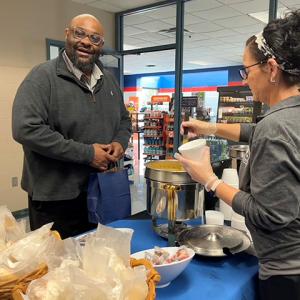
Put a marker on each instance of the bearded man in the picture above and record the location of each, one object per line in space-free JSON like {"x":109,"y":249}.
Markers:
{"x":70,"y":118}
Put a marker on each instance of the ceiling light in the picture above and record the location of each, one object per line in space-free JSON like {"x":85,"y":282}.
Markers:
{"x":263,"y":16}
{"x":172,"y":32}
{"x":198,"y":62}
{"x":128,"y":47}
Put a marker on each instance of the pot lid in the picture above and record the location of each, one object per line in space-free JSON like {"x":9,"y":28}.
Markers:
{"x":214,"y":240}
{"x":163,"y":229}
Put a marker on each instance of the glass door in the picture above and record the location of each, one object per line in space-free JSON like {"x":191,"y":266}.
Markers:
{"x":111,"y":60}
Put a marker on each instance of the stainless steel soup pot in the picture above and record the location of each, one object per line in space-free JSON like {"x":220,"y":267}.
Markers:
{"x":171,"y":192}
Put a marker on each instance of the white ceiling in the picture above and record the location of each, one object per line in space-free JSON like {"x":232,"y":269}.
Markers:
{"x":217,"y":29}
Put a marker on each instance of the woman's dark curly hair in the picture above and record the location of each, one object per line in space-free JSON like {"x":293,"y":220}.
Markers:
{"x":283,"y":36}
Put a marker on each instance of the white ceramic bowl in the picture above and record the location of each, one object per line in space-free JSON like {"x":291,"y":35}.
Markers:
{"x":192,"y":150}
{"x":168,"y":272}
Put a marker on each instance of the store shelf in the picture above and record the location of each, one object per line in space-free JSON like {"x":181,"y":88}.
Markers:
{"x":168,"y":132}
{"x":152,"y":127}
{"x":137,"y":121}
{"x":149,"y":145}
{"x":150,"y":118}
{"x":154,"y":144}
{"x":153,"y":136}
{"x":236,"y":115}
{"x":234,"y":104}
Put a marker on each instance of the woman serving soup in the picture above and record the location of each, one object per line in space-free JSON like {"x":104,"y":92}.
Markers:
{"x":269,"y":193}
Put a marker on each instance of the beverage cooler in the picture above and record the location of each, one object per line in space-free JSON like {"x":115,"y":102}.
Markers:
{"x":236,"y":105}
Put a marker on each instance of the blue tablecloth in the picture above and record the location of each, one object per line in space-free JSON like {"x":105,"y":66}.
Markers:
{"x":226,"y":278}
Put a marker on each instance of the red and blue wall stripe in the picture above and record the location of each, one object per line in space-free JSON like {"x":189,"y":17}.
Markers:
{"x":193,"y":80}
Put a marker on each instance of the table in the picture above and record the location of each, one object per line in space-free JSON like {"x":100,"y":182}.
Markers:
{"x":205,"y":278}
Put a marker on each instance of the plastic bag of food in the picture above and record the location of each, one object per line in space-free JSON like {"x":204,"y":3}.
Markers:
{"x":26,"y":254}
{"x":62,"y":252}
{"x":113,"y":238}
{"x":10,"y":229}
{"x":67,"y":283}
{"x":113,"y":269}
{"x":72,"y":283}
{"x":134,"y":281}
{"x":99,"y":270}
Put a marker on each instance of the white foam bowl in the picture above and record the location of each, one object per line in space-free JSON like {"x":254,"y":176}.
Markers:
{"x":168,"y":272}
{"x":213,"y":217}
{"x":192,"y":150}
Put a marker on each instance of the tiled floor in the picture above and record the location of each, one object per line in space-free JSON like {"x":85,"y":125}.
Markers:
{"x":138,"y":187}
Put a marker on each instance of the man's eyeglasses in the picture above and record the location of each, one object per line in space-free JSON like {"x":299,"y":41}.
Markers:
{"x":244,"y":71}
{"x":80,"y":34}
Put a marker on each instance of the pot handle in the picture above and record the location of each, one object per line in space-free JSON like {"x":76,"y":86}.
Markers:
{"x":172,"y":200}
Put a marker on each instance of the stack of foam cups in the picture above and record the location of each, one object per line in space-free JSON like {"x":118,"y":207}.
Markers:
{"x":238,"y":222}
{"x":231,"y":178}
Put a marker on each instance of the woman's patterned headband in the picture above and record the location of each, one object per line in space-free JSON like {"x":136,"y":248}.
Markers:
{"x":284,"y":65}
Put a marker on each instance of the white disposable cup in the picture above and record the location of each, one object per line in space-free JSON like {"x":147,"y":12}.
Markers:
{"x":237,"y":216}
{"x":213,"y":217}
{"x":239,"y":224}
{"x":226,"y":210}
{"x":201,"y":202}
{"x":230,"y":176}
{"x":192,"y":150}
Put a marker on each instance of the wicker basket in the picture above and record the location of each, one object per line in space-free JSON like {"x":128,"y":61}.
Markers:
{"x":153,"y":276}
{"x":13,"y":286}
{"x":22,"y":284}
{"x":14,"y":289}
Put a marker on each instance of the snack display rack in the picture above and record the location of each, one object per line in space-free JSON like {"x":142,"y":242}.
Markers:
{"x":236,"y":105}
{"x":154,"y":145}
{"x":169,"y":134}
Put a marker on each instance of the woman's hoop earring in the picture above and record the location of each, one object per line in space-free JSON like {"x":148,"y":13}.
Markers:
{"x":272,"y":80}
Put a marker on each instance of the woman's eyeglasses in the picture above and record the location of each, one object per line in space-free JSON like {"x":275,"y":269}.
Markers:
{"x":244,"y":71}
{"x":80,"y":34}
